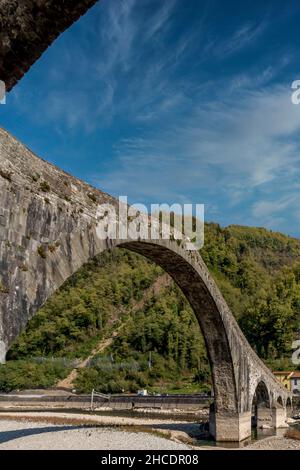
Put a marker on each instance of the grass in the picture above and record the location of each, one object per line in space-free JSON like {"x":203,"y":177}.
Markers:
{"x":183,"y":386}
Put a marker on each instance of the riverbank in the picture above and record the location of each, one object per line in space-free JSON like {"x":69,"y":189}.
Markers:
{"x":275,"y":443}
{"x":20,"y":430}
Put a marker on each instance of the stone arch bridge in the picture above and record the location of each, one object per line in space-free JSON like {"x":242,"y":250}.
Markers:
{"x":48,"y":229}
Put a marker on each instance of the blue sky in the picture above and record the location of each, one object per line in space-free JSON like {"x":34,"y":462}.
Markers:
{"x":174,"y":101}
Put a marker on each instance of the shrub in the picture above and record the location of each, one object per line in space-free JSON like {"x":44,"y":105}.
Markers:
{"x":45,"y":187}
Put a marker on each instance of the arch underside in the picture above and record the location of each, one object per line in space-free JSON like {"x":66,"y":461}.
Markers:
{"x":183,"y":273}
{"x":207,"y":314}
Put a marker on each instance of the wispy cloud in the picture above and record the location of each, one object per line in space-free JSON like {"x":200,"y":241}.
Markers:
{"x":238,"y":148}
{"x":258,"y":77}
{"x":183,"y":115}
{"x":280,"y":212}
{"x":245,"y":35}
{"x":127,"y":73}
{"x":134,"y":70}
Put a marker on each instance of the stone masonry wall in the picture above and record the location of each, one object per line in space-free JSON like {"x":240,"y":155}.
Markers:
{"x":48,"y":230}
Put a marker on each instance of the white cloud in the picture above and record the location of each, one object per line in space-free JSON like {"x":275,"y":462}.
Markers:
{"x":280,"y":212}
{"x":243,"y":147}
{"x":244,"y":36}
{"x":223,"y":141}
{"x":105,"y":75}
{"x":122,"y":65}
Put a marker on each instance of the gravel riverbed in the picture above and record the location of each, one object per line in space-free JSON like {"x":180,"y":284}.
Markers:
{"x":24,"y":435}
{"x":57,"y":431}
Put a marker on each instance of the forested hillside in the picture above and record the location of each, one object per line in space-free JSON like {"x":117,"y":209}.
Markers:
{"x":154,"y":339}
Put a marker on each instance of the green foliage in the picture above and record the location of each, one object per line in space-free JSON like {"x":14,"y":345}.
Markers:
{"x":77,"y":314}
{"x":108,"y":377}
{"x":42,"y":252}
{"x":258,"y":272}
{"x":24,"y":374}
{"x":3,"y":289}
{"x":161,"y":342}
{"x":272,"y":318}
{"x":44,"y":186}
{"x":202,"y":375}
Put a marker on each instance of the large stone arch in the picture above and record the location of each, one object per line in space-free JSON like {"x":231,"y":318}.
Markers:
{"x":44,"y":238}
{"x":192,"y":277}
{"x":28,"y":27}
{"x":262,"y":395}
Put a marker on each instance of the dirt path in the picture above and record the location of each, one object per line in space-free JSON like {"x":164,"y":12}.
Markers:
{"x":161,"y":283}
{"x":68,"y":382}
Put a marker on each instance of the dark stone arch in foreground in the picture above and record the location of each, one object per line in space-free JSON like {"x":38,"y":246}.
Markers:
{"x":28,"y":27}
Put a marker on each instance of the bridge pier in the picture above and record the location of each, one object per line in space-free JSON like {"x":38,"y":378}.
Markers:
{"x":229,"y":427}
{"x":236,"y":427}
{"x":264,"y":417}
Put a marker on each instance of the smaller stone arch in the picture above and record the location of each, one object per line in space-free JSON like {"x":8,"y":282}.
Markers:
{"x":262,"y":395}
{"x":279,"y":402}
{"x":261,"y":407}
{"x":279,"y":412}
